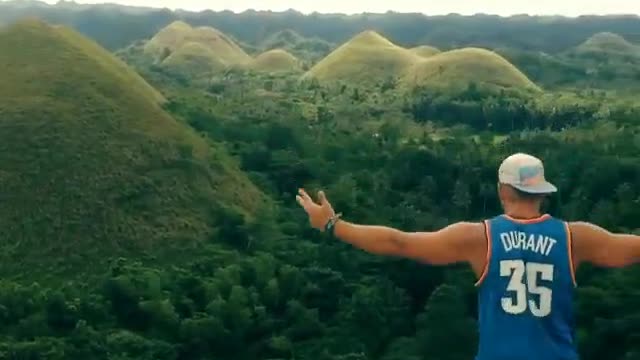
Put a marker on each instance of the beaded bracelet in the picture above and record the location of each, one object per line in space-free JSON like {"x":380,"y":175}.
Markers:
{"x":330,"y":226}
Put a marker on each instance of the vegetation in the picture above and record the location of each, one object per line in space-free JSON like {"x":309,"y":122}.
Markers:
{"x":144,"y":222}
{"x":115,"y":26}
{"x":92,"y":165}
{"x":311,"y":49}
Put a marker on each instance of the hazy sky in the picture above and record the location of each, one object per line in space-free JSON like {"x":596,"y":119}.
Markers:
{"x":432,"y":7}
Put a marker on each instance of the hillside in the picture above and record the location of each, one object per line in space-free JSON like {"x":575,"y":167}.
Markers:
{"x":606,"y":43}
{"x":194,"y":58}
{"x":425,"y":51}
{"x":178,"y":34}
{"x":367,"y":57}
{"x":456,"y":69}
{"x":276,"y":60}
{"x":92,"y":167}
{"x":309,"y":49}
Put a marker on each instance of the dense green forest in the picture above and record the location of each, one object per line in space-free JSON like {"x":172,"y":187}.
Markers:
{"x":159,"y":222}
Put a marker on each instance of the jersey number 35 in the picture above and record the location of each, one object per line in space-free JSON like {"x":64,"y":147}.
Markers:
{"x":517,"y":270}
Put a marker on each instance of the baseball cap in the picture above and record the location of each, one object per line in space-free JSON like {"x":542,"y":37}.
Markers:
{"x":525,"y":173}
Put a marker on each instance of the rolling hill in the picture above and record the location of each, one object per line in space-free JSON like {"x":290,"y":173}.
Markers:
{"x":194,"y":47}
{"x":92,"y":167}
{"x":425,"y":51}
{"x":367,"y":57}
{"x":607,"y":44}
{"x":276,"y":60}
{"x":456,"y":69}
{"x":194,"y":58}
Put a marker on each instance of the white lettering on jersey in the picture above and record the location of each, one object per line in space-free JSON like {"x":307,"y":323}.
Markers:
{"x":517,"y":240}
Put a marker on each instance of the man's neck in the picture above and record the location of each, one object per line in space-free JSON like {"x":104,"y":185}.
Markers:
{"x":523,"y":212}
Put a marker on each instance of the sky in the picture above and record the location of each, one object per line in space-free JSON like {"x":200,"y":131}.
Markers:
{"x":430,"y":7}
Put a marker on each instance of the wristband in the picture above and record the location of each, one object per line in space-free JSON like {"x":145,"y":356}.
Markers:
{"x":330,"y":226}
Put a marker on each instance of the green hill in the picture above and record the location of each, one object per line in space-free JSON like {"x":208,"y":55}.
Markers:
{"x":178,"y":34}
{"x":276,"y":60}
{"x":368,"y":57}
{"x":607,"y":43}
{"x":425,"y":51}
{"x":92,"y":167}
{"x":194,"y":58}
{"x":456,"y":69}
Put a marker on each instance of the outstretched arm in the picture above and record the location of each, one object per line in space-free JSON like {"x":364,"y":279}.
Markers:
{"x":600,"y":247}
{"x":455,"y":243}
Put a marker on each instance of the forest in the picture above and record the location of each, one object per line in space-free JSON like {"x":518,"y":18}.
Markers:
{"x":171,"y":231}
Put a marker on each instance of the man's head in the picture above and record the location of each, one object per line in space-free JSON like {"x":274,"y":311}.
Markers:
{"x":521,"y":181}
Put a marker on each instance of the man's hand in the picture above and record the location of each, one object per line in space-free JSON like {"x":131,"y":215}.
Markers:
{"x":319,"y":214}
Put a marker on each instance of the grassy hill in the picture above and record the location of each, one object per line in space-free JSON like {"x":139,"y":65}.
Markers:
{"x":456,"y":69}
{"x":605,"y":46}
{"x":211,"y":44}
{"x":367,"y":57}
{"x":425,"y":51}
{"x":92,"y":167}
{"x":194,"y":58}
{"x":276,"y":60}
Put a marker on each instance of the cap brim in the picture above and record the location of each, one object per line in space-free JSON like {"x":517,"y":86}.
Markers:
{"x":542,"y":188}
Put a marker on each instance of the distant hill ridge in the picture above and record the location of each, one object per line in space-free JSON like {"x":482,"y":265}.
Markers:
{"x":117,"y":26}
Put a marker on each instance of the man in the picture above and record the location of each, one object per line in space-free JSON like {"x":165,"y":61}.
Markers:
{"x":524,"y":261}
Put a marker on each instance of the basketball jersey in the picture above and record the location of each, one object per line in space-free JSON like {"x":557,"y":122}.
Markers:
{"x":525,"y":294}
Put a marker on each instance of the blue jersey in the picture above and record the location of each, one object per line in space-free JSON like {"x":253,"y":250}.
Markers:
{"x":526,"y":292}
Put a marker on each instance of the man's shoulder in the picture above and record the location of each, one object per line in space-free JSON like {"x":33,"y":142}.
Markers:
{"x":469,"y":230}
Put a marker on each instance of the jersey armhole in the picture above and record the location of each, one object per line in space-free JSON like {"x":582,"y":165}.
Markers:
{"x":572,"y":268}
{"x":485,"y":271}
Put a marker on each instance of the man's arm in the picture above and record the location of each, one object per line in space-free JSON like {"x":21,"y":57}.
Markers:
{"x":455,"y":243}
{"x":600,"y":247}
{"x":459,"y":242}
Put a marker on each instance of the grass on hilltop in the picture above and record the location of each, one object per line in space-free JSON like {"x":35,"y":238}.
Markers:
{"x":368,"y":57}
{"x":179,"y":34}
{"x":194,"y":58}
{"x":607,"y":44}
{"x":456,"y":69}
{"x":92,"y":167}
{"x":425,"y":51}
{"x":276,"y":60}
